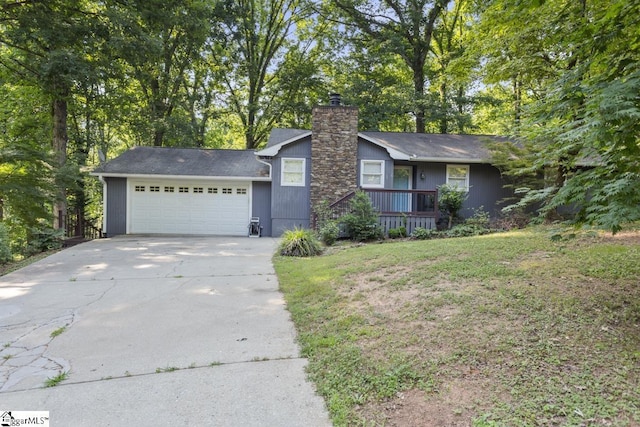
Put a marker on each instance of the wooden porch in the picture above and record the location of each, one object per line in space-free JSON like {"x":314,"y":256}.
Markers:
{"x":398,"y":208}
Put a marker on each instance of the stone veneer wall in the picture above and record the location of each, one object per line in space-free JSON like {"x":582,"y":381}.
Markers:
{"x":334,"y":153}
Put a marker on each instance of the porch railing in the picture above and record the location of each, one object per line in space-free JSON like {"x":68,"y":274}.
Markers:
{"x":408,"y":202}
{"x":422,"y":203}
{"x":397,"y":208}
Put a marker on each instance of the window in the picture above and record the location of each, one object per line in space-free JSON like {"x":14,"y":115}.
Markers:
{"x":183,"y":189}
{"x":372,"y":173}
{"x":198,"y":189}
{"x":241,"y":191}
{"x":212,"y":190}
{"x":458,"y":176}
{"x":140,"y":188}
{"x":292,"y":173}
{"x":154,"y":188}
{"x":168,"y":189}
{"x":227,"y":191}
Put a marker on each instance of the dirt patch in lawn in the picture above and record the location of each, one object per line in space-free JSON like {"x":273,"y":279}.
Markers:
{"x":453,"y":407}
{"x":484,"y":344}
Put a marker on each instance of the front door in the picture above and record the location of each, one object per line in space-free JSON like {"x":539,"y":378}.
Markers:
{"x":402,"y":181}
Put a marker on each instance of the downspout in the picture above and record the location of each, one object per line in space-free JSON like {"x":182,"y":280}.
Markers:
{"x":104,"y":205}
{"x":271,"y":181}
{"x":268,"y":164}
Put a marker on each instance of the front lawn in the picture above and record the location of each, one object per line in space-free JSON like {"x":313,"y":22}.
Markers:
{"x":511,"y":329}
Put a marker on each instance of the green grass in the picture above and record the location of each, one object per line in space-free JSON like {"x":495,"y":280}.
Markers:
{"x":167,"y":369}
{"x":534,"y":330}
{"x":58,"y":331}
{"x":52,"y":382}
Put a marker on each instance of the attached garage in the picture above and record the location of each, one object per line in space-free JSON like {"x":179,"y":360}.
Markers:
{"x":184,"y":191}
{"x":189,"y":207}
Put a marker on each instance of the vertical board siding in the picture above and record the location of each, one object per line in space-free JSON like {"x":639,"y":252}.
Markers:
{"x":290,"y":206}
{"x":116,"y":208}
{"x":486,"y":185}
{"x":261,"y":205}
{"x":369,"y":151}
{"x":387,"y":222}
{"x":486,"y":190}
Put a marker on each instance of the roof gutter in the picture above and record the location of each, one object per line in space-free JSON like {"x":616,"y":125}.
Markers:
{"x":448,"y":160}
{"x":101,"y":175}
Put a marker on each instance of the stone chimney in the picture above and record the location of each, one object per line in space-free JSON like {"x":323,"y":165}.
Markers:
{"x":334,"y":151}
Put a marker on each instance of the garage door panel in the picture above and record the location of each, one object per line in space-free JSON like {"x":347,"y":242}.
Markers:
{"x":189,"y":207}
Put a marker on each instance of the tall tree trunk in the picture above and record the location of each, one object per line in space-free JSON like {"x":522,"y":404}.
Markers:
{"x":444,"y":128}
{"x":60,"y":140}
{"x":418,"y":86}
{"x":158,"y":112}
{"x":517,"y":103}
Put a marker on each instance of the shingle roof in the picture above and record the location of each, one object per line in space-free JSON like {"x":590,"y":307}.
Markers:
{"x":278,"y":135}
{"x":436,"y":147}
{"x":408,"y":146}
{"x":185,"y":162}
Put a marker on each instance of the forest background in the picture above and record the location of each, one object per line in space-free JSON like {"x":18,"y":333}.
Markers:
{"x":82,"y":80}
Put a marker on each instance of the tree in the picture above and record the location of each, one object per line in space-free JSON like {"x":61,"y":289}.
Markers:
{"x":519,"y":47}
{"x":161,"y":43}
{"x":406,"y":28}
{"x":26,"y":193}
{"x":379,"y":84}
{"x":266,"y":65}
{"x":48,"y":44}
{"x":450,"y":69}
{"x":585,"y":126}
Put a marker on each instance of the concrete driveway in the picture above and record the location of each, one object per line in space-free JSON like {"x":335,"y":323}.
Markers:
{"x":154,"y":331}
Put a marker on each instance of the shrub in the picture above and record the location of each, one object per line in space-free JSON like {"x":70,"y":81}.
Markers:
{"x":362,"y":219}
{"x":515,"y":218}
{"x":5,"y":249}
{"x":43,"y":238}
{"x":464,"y":230}
{"x":396,"y":233}
{"x":323,"y":212}
{"x":450,"y":200}
{"x":421,"y":233}
{"x":328,"y":232}
{"x":299,"y":242}
{"x":479,"y":219}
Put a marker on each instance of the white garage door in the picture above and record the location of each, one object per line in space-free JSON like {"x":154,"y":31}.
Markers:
{"x":189,"y":207}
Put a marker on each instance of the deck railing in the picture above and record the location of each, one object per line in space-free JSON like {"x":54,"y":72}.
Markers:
{"x":389,"y":202}
{"x":397,"y":208}
{"x":407,"y":202}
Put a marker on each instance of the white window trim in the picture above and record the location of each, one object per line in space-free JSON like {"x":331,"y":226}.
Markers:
{"x":466,"y":183}
{"x":362,"y":174}
{"x":283,"y":161}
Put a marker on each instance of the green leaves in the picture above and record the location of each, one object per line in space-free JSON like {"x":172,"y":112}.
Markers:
{"x":583,"y":131}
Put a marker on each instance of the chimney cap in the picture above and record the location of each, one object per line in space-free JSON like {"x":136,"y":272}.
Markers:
{"x":334,"y":99}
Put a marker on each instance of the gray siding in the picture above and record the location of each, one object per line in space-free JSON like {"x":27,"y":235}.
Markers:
{"x":290,"y":206}
{"x":116,"y":208}
{"x":486,"y":190}
{"x":369,"y":151}
{"x":485,"y":182}
{"x":261,"y":205}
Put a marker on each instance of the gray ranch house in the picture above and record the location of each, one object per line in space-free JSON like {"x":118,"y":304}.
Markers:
{"x":156,"y":190}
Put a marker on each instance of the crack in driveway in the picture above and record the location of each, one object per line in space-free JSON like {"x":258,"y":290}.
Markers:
{"x":25,"y":357}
